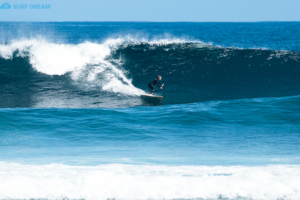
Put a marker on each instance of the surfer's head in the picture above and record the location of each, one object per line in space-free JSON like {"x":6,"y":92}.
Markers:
{"x":159,"y":77}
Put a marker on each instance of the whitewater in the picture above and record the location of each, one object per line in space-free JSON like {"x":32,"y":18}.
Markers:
{"x":73,"y":125}
{"x":149,"y":182}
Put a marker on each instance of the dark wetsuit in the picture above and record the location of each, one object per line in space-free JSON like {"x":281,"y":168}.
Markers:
{"x":152,"y":83}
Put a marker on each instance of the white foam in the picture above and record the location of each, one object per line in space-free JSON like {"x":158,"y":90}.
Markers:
{"x":85,"y":61}
{"x":119,"y":181}
{"x":157,"y":41}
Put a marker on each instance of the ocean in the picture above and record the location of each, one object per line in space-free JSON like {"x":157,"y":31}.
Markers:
{"x":73,"y":124}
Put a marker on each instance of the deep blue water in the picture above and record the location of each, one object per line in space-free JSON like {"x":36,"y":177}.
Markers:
{"x":73,"y":125}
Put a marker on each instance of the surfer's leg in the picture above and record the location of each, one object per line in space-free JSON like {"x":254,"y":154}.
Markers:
{"x":152,"y":88}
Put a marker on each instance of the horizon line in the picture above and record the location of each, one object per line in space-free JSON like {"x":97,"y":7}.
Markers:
{"x":155,"y":21}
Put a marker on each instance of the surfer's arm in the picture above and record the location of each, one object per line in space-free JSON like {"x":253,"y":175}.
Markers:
{"x":160,"y":85}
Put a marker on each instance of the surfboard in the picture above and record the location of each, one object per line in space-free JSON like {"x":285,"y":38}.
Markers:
{"x":151,"y":98}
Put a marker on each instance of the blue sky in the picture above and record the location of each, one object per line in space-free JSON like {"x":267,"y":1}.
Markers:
{"x":154,"y":10}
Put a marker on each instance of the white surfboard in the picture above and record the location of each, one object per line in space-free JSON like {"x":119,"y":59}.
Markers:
{"x":151,"y":96}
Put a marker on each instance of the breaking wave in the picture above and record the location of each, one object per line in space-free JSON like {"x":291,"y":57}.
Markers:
{"x":119,"y":68}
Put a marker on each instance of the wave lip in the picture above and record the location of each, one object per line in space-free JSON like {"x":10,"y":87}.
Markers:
{"x":116,"y":181}
{"x":57,"y":59}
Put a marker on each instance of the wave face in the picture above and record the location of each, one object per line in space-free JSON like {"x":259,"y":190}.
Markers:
{"x":114,"y":73}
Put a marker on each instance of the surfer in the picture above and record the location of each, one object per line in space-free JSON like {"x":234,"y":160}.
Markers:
{"x":155,"y":82}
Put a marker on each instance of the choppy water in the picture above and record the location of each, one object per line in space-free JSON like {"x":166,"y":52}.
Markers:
{"x":72,"y":124}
